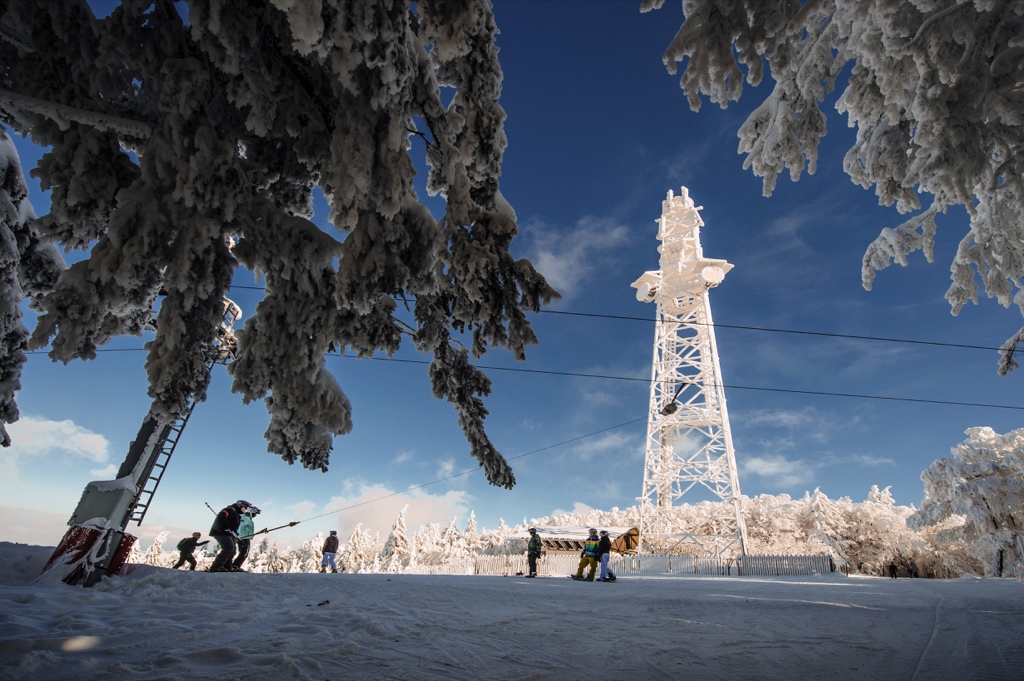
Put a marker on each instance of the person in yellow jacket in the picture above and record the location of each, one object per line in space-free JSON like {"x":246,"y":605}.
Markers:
{"x":589,"y":556}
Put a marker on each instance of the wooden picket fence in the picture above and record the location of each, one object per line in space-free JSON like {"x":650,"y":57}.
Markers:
{"x":751,"y":566}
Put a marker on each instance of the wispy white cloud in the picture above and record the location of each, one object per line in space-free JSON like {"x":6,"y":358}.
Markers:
{"x":818,"y":425}
{"x":403,"y":457}
{"x":786,"y":472}
{"x":569,"y":257}
{"x":860,"y":460}
{"x":31,"y":435}
{"x":445,"y":468}
{"x":777,"y":469}
{"x":577,"y":507}
{"x":376,"y":507}
{"x":622,"y":444}
{"x":104,"y":473}
{"x":34,"y":436}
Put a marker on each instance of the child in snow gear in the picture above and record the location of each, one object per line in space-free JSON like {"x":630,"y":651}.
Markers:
{"x":533,"y":551}
{"x":604,"y":551}
{"x":589,"y":556}
{"x":330,"y":548}
{"x":187,"y":547}
{"x":225,"y":531}
{"x":245,"y":531}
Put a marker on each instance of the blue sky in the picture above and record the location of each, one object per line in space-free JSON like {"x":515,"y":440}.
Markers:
{"x":598,"y":133}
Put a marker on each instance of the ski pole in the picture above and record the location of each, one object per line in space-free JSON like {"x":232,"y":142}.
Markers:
{"x":210,"y":507}
{"x":272,"y":529}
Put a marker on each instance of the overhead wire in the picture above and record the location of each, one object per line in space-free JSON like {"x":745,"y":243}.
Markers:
{"x":576,"y":374}
{"x":741,"y":327}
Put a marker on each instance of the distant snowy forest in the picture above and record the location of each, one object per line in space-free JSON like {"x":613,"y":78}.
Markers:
{"x":968,"y":523}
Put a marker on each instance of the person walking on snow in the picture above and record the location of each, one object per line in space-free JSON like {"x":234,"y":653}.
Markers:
{"x":329,"y":550}
{"x":533,"y":551}
{"x":225,"y":531}
{"x":245,"y":532}
{"x":604,"y":552}
{"x":589,"y":556}
{"x":187,"y":547}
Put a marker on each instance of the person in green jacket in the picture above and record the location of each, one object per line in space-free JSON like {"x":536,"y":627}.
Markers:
{"x":533,"y":551}
{"x":589,"y":556}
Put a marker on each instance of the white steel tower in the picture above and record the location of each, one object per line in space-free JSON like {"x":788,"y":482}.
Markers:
{"x":689,"y":444}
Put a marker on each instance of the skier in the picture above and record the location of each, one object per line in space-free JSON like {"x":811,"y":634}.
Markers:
{"x":533,"y":551}
{"x":187,"y":547}
{"x":225,"y":531}
{"x":330,"y":548}
{"x":245,"y":532}
{"x":604,"y":552}
{"x":589,"y":556}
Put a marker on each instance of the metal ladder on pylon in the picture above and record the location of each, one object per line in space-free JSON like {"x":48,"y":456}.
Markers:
{"x":218,"y":352}
{"x":165,"y":445}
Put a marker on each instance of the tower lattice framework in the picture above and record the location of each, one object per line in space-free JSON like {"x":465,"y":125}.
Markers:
{"x":689,"y":443}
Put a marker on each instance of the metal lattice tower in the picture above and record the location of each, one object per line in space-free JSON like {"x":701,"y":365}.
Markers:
{"x":689,"y":443}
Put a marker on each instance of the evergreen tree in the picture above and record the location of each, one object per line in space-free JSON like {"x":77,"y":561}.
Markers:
{"x":935,"y":91}
{"x":397,"y":552}
{"x":984,"y":484}
{"x":28,"y":269}
{"x":183,"y":149}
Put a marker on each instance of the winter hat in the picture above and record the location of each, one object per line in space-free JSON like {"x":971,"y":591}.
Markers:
{"x":197,"y":535}
{"x":532,"y":530}
{"x":333,"y":532}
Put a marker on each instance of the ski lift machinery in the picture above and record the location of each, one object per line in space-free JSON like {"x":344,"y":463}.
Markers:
{"x":96,"y":543}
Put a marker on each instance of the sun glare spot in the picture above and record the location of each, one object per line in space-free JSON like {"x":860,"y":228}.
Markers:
{"x":80,"y":643}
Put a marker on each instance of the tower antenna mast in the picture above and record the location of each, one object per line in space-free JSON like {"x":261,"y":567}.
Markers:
{"x":689,"y":442}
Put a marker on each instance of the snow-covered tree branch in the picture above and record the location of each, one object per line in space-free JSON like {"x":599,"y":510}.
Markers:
{"x":181,"y":149}
{"x":936,"y":93}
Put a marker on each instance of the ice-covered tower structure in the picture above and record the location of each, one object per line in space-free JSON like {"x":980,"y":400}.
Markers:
{"x":689,"y":444}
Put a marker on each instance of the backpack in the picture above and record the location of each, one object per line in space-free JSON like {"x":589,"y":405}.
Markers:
{"x":181,"y":544}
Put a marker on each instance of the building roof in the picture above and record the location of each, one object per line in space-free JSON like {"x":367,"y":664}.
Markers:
{"x":624,"y":539}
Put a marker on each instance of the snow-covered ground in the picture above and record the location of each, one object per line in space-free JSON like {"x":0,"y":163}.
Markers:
{"x":161,"y":624}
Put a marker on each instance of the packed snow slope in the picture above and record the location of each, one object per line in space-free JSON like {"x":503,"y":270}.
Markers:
{"x":158,"y":623}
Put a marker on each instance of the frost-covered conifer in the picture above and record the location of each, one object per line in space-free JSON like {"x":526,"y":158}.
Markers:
{"x":984,"y":484}
{"x":362,"y":550}
{"x":28,"y":269}
{"x":397,"y":552}
{"x":181,"y":149}
{"x":936,"y":93}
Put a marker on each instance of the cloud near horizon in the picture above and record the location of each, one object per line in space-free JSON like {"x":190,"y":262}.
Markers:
{"x":32,"y":436}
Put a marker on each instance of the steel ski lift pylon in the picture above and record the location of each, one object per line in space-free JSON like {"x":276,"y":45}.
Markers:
{"x":96,"y":543}
{"x":689,"y":443}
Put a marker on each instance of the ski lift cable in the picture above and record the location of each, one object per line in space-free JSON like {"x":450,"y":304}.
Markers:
{"x":820,"y":393}
{"x":742,"y":327}
{"x":575,"y":374}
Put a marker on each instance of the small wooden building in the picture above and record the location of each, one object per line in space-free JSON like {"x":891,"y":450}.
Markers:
{"x":570,"y":539}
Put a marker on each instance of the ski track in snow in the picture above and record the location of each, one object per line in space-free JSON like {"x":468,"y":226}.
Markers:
{"x":175,"y":625}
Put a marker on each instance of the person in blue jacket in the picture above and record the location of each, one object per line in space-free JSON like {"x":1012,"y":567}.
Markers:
{"x":245,"y":532}
{"x":225,"y":532}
